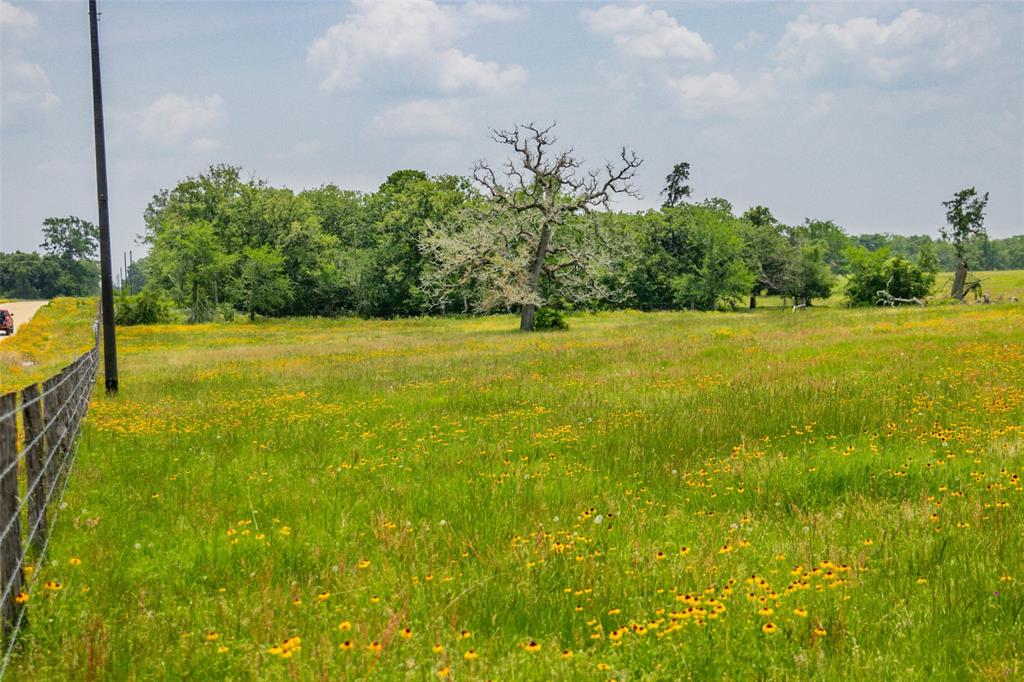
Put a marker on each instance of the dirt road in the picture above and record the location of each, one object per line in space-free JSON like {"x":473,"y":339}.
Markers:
{"x":22,"y":311}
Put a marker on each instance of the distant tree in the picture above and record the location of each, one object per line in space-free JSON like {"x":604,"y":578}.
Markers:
{"x":965,"y":218}
{"x":927,"y":259}
{"x":147,"y":307}
{"x":721,"y":277}
{"x":214,"y":196}
{"x":343,"y":213}
{"x":880,"y":278}
{"x":399,"y":213}
{"x":70,"y":238}
{"x":189,"y":262}
{"x":717,"y":204}
{"x":30,"y":275}
{"x":676,"y":190}
{"x":262,"y":287}
{"x":691,"y":256}
{"x":770,"y":258}
{"x":546,"y":191}
{"x":872,"y":242}
{"x":760,"y":216}
{"x":73,"y":243}
{"x":810,"y":277}
{"x":1013,"y":248}
{"x":308,"y":254}
{"x":481,"y":260}
{"x":828,"y":233}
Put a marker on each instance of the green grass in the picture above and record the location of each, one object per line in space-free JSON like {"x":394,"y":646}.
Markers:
{"x":1001,"y":286}
{"x":257,"y":482}
{"x":58,"y":333}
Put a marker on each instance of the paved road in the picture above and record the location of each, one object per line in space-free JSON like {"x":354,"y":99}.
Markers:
{"x":22,"y":311}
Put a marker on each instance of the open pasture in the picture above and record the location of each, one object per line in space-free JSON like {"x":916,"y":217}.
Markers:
{"x":1001,"y":285}
{"x":57,"y":334}
{"x":827,"y":493}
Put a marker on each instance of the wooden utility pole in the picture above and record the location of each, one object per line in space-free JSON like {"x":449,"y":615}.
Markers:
{"x":106,"y":269}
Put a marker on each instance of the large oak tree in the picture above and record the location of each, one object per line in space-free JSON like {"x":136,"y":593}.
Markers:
{"x":533,"y":236}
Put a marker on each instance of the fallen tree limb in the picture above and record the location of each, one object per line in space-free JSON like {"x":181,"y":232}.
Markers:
{"x":885,"y":298}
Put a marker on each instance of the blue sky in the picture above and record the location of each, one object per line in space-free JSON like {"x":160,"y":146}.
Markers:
{"x":870,"y":114}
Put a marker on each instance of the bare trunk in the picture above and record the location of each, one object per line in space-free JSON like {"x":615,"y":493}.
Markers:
{"x":526,"y":318}
{"x":959,"y":280}
{"x":753,"y":301}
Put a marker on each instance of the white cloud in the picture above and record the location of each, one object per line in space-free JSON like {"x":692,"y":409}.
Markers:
{"x":206,"y":145}
{"x":177,"y":120}
{"x":300,"y":150}
{"x":638,"y":31}
{"x":915,"y":42}
{"x":715,"y":85}
{"x":459,"y":70}
{"x":25,"y":86}
{"x":753,"y":39}
{"x":417,"y":34}
{"x":306,"y":148}
{"x":819,"y":109}
{"x":494,"y":12}
{"x":721,"y":93}
{"x":420,"y":118}
{"x":21,"y":21}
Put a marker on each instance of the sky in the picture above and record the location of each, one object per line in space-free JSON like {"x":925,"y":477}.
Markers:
{"x":868,"y":114}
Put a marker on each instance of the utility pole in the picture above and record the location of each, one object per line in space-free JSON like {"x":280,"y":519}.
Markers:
{"x":106,"y":276}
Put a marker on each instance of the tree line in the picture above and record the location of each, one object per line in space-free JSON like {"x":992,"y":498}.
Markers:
{"x":67,"y":266}
{"x":536,"y":231}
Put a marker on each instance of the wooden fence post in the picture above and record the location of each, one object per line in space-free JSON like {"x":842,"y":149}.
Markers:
{"x":32,"y":421}
{"x":10,"y":544}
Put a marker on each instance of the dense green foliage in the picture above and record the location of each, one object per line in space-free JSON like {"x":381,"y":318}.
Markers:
{"x":549,"y":318}
{"x":982,"y":254}
{"x":218,"y":243}
{"x":145,"y":308}
{"x":217,"y":239}
{"x":874,"y":272}
{"x":67,"y":266}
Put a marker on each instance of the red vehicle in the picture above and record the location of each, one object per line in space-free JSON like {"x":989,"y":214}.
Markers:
{"x":6,"y":322}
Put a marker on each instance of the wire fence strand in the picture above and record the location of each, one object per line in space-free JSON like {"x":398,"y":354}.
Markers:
{"x":40,"y":396}
{"x":41,"y":561}
{"x":50,"y":422}
{"x":57,"y":422}
{"x":59,"y":445}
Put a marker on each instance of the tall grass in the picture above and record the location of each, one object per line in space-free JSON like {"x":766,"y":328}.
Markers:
{"x":830,"y":494}
{"x":58,"y":333}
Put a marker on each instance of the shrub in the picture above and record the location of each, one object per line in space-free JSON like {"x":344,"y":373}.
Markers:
{"x":144,"y":308}
{"x":227,"y":312}
{"x":549,"y":318}
{"x":872,"y":272}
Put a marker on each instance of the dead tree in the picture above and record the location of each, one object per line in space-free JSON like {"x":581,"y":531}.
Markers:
{"x":547,"y":188}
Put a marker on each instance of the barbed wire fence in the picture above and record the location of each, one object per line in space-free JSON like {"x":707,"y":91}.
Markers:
{"x":36,"y":456}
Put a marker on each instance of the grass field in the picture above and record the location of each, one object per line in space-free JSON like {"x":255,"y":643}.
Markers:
{"x":57,"y":334}
{"x":1001,"y":286}
{"x":828,"y":494}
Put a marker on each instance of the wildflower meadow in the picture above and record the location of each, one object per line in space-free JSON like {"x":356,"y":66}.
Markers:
{"x":824,"y":493}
